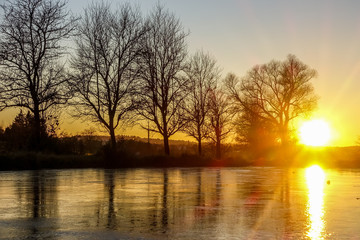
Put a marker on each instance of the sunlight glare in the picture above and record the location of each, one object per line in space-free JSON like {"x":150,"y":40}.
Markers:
{"x":315,"y":180}
{"x":315,"y":133}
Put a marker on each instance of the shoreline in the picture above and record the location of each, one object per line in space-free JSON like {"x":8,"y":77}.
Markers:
{"x":327,"y":158}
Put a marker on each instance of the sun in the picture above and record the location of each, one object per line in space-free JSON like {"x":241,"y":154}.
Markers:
{"x":315,"y":133}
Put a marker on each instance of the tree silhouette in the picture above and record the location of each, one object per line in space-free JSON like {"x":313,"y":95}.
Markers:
{"x":30,"y":74}
{"x":202,"y":74}
{"x":162,"y":88}
{"x":104,"y":71}
{"x":19,"y":135}
{"x":220,"y":117}
{"x":257,"y":133}
{"x":279,"y":91}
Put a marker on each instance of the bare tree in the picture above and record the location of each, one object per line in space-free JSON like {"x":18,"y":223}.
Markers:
{"x":104,"y":67}
{"x":219,"y":118}
{"x":163,"y":86}
{"x":30,"y":47}
{"x":279,"y":91}
{"x":202,"y":74}
{"x":257,"y":133}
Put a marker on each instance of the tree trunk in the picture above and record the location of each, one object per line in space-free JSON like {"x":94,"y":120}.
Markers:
{"x":199,"y":139}
{"x":199,"y":147}
{"x":166,"y":137}
{"x":284,"y":136}
{"x":218,"y":146}
{"x":218,"y":142}
{"x":166,"y":145}
{"x":218,"y":150}
{"x":112,"y":139}
{"x":112,"y":133}
{"x":37,"y":127}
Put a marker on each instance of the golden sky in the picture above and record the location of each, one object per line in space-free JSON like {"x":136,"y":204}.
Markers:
{"x":323,"y":34}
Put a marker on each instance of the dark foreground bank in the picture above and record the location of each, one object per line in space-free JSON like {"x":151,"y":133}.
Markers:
{"x":32,"y":160}
{"x":300,"y":157}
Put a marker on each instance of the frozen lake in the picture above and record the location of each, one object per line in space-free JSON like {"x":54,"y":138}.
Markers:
{"x":179,"y":203}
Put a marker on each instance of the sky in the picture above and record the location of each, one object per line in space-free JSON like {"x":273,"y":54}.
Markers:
{"x":325,"y":35}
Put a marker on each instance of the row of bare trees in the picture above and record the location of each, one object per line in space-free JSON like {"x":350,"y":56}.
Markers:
{"x":125,"y":67}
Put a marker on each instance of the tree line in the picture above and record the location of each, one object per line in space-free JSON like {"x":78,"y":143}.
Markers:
{"x":122,"y":67}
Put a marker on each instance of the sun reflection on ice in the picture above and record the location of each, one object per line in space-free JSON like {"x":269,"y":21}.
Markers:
{"x":315,"y":180}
